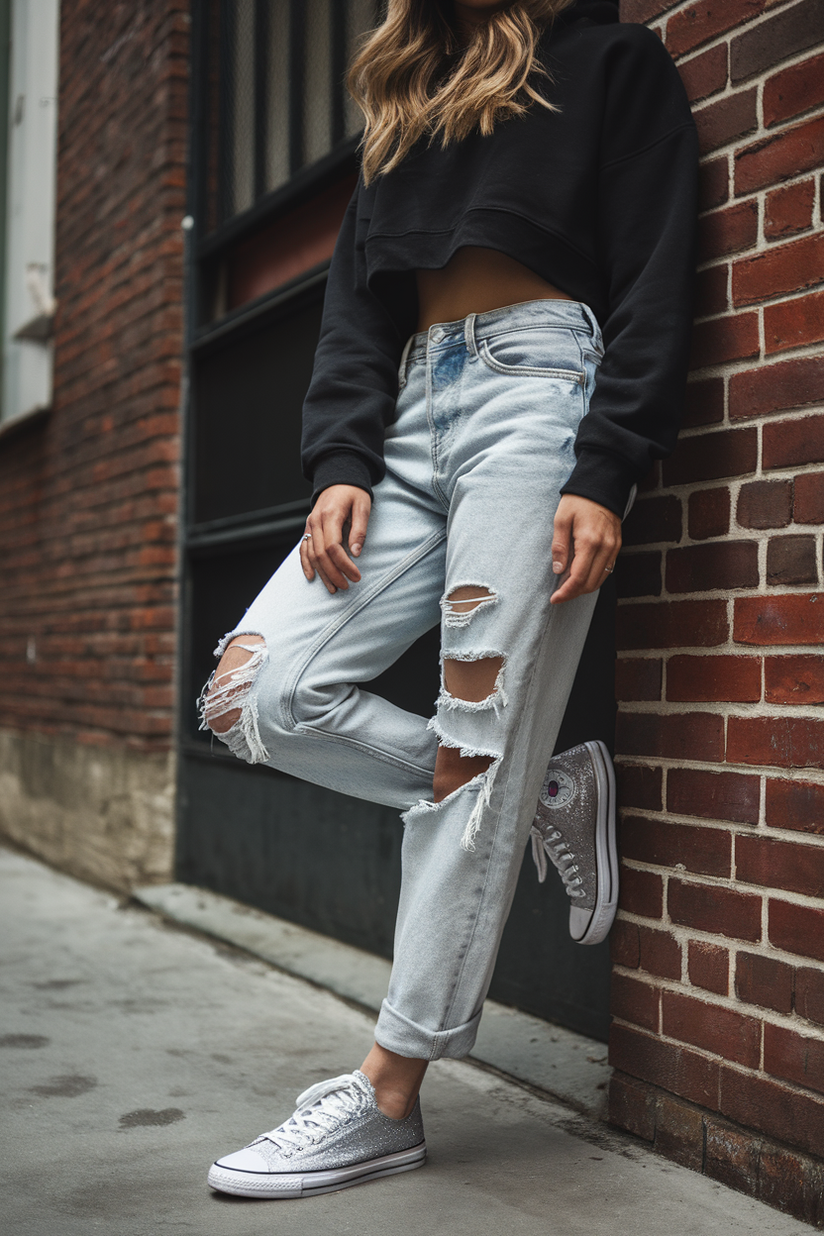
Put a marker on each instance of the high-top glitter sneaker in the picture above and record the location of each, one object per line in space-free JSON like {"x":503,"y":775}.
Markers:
{"x":337,"y":1137}
{"x":574,"y":827}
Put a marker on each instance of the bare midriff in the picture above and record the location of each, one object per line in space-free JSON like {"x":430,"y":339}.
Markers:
{"x":476,"y":280}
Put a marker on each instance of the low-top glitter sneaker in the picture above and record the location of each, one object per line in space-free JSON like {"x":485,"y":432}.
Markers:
{"x":575,"y":827}
{"x":337,"y":1137}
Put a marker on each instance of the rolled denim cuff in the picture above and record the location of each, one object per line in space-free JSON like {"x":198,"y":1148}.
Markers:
{"x":406,"y":1038}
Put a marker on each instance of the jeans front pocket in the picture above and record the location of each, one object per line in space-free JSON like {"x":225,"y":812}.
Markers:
{"x":535,"y":351}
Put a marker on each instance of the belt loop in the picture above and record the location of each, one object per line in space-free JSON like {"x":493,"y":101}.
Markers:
{"x":593,"y":324}
{"x":404,"y":359}
{"x":469,"y":335}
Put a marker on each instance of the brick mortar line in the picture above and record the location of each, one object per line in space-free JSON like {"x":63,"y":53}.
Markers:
{"x":787,"y":1021}
{"x":732,"y":883}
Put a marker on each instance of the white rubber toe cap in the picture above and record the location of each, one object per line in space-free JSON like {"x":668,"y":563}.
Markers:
{"x":579,"y":921}
{"x":246,"y":1160}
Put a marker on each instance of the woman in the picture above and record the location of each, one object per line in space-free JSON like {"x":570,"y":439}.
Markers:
{"x":524,"y":221}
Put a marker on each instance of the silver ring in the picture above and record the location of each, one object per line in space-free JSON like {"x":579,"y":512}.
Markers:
{"x":609,"y":570}
{"x":307,"y":537}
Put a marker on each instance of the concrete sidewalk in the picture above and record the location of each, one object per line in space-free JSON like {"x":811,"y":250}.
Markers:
{"x":134,"y":1053}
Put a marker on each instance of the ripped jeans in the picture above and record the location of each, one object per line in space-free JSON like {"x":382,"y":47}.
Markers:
{"x":487,"y":414}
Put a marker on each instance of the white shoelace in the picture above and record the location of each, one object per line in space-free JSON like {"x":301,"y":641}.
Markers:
{"x":560,"y":856}
{"x":320,"y":1109}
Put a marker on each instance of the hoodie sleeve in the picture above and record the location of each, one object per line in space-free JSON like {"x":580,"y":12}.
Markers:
{"x":647,"y":222}
{"x":354,"y":385}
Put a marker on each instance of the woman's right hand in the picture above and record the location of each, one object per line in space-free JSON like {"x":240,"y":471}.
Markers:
{"x":338,"y":508}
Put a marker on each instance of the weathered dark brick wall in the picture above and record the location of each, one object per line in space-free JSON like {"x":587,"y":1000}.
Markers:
{"x":718,"y":1038}
{"x":88,"y":496}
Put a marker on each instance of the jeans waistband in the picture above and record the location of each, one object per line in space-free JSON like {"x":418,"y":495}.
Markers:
{"x":569,"y":314}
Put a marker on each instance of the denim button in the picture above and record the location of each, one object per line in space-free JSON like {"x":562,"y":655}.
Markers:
{"x":437,"y":335}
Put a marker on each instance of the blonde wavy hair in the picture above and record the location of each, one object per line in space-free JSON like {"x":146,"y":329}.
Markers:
{"x":412,"y":77}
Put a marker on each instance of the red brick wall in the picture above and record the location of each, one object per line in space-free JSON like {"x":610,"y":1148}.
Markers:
{"x":719,"y":982}
{"x":88,"y":496}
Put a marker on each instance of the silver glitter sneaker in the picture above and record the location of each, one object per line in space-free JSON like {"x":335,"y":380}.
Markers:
{"x":575,"y":827}
{"x":337,"y":1137}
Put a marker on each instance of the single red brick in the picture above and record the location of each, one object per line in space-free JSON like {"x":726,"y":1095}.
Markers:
{"x":792,"y":91}
{"x":723,"y":565}
{"x":679,"y":1132}
{"x":632,"y":1105}
{"x":798,"y":805}
{"x":797,"y":929}
{"x":692,"y":679}
{"x":705,"y":20}
{"x":794,"y":323}
{"x":711,"y":294}
{"x":731,"y":1156}
{"x":788,"y":154}
{"x":723,"y":1031}
{"x":794,"y":680}
{"x":709,"y":967}
{"x":624,"y":944}
{"x":782,"y":269}
{"x":633,"y":1000}
{"x":713,"y":183}
{"x":808,"y":507}
{"x":706,"y":851}
{"x":639,"y":575}
{"x":765,"y":504}
{"x":792,"y":560}
{"x":638,"y":678}
{"x":711,"y":456}
{"x":789,"y":742}
{"x":713,"y":908}
{"x":793,"y":442}
{"x":809,"y":993}
{"x":792,"y":30}
{"x":788,"y":865}
{"x":772,"y":1108}
{"x":791,"y":1181}
{"x":729,"y":230}
{"x":639,"y":786}
{"x":653,"y":520}
{"x":709,"y":513}
{"x":720,"y":340}
{"x":705,"y":73}
{"x":794,"y":619}
{"x":672,"y":624}
{"x":715,"y":796}
{"x":660,"y":953}
{"x":704,"y":402}
{"x":642,"y":892}
{"x":726,"y":119}
{"x":688,"y":736}
{"x":795,"y":1057}
{"x":764,"y":981}
{"x":789,"y":210}
{"x":673,"y":1068}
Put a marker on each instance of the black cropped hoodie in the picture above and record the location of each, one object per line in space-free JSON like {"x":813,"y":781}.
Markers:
{"x":599,"y":198}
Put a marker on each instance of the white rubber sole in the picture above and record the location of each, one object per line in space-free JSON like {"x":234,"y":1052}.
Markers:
{"x":606,"y":849}
{"x":269,"y":1185}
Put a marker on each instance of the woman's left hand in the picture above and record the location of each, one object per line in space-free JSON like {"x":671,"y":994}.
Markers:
{"x":585,"y":543}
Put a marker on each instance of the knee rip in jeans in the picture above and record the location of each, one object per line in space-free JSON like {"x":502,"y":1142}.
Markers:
{"x":472,"y":682}
{"x":464,"y":602}
{"x":226,"y":704}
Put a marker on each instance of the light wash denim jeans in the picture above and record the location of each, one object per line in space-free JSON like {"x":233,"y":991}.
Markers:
{"x":487,"y":414}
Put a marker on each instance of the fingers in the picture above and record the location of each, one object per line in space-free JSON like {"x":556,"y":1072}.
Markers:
{"x":322,"y":548}
{"x":596,"y":538}
{"x":361,"y":509}
{"x":562,"y":539}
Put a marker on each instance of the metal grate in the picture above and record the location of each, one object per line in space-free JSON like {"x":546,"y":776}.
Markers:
{"x":282,"y":102}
